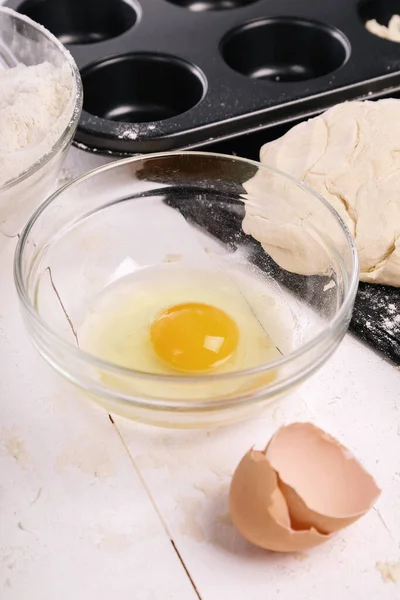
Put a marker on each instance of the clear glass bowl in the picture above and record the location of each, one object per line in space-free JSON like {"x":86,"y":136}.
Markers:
{"x":22,"y":41}
{"x":180,"y":216}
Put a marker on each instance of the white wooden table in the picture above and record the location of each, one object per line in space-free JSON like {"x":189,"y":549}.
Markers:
{"x":91,"y":510}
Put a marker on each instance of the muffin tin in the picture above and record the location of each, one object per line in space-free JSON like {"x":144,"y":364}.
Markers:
{"x":167,"y":74}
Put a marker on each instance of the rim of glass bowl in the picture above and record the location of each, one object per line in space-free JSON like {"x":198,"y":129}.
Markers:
{"x":55,"y":340}
{"x":76,"y":100}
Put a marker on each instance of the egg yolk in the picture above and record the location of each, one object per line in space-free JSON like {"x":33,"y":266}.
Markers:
{"x":194,"y":337}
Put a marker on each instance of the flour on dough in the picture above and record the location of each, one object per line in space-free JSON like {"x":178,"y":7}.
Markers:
{"x":391,"y":32}
{"x":350,"y":155}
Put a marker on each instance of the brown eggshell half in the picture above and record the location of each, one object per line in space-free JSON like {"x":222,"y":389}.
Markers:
{"x":259,"y":509}
{"x":323,"y":484}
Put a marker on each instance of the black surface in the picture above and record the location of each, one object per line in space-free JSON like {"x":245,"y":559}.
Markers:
{"x":295,"y":59}
{"x":376,"y":319}
{"x":203,"y":5}
{"x":381,"y":10}
{"x":129,"y":101}
{"x":82,"y":21}
{"x":299,"y":58}
{"x":376,"y":315}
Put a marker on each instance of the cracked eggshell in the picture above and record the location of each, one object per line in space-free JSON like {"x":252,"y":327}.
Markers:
{"x":323,"y":484}
{"x":304,"y":487}
{"x":259,"y":509}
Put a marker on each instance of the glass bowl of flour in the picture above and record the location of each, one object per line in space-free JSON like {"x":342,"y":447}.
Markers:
{"x":40,"y":106}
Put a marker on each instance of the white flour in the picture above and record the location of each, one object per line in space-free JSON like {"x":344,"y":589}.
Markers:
{"x":33,"y":115}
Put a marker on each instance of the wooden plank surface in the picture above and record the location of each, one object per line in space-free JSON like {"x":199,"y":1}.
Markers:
{"x":87,"y":508}
{"x":356,"y":397}
{"x":76,"y":521}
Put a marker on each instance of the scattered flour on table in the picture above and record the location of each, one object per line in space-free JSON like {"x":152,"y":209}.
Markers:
{"x":129,"y":131}
{"x":383,"y":310}
{"x":393,"y":321}
{"x":33,"y":114}
{"x":128,"y":134}
{"x":390,"y":571}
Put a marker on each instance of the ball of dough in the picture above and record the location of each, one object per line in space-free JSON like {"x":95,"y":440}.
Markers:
{"x":350,"y":155}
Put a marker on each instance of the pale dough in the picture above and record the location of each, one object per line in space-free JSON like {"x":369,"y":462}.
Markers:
{"x":350,"y":155}
{"x":391,"y":32}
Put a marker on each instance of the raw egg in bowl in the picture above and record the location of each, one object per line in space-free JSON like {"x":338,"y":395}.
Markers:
{"x":139,"y":285}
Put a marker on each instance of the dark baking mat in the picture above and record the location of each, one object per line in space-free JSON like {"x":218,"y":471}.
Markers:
{"x":376,"y":318}
{"x":376,"y":315}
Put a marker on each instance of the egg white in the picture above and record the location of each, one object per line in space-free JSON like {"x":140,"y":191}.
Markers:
{"x":116,"y":329}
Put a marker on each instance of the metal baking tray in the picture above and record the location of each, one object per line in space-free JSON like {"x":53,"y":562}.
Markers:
{"x":169,"y":74}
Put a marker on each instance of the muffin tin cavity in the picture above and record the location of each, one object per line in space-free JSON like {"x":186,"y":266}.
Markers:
{"x":182,"y":74}
{"x":139,"y":88}
{"x":204,"y":5}
{"x":381,"y":10}
{"x":284,"y":49}
{"x":82,"y":21}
